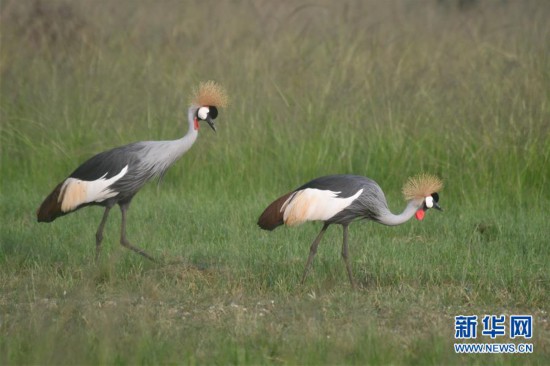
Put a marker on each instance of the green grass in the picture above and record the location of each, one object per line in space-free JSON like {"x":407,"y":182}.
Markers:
{"x":382,"y":89}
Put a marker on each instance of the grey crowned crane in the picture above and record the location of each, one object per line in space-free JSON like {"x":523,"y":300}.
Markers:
{"x":115,"y":176}
{"x":341,"y":199}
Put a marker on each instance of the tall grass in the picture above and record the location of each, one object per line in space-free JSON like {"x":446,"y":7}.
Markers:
{"x":383,"y":89}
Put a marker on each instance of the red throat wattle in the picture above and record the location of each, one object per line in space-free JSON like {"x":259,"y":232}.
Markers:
{"x":196,"y":124}
{"x":419,"y":214}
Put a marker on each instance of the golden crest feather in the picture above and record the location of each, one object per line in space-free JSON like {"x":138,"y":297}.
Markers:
{"x":210,"y":93}
{"x":421,"y":186}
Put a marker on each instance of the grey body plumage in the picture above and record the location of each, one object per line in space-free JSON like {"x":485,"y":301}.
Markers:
{"x":371,"y":203}
{"x":146,"y":160}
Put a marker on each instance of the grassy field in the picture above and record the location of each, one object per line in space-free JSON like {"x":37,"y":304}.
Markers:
{"x":385,"y":89}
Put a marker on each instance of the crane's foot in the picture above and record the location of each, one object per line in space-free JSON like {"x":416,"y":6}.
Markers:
{"x":127,"y":244}
{"x":345,"y":256}
{"x":99,"y":238}
{"x":304,"y":275}
{"x":313,"y":251}
{"x":97,"y":249}
{"x":99,"y":233}
{"x":350,"y":275}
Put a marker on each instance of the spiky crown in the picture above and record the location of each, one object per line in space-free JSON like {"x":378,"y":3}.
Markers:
{"x":421,"y":186}
{"x":210,"y":94}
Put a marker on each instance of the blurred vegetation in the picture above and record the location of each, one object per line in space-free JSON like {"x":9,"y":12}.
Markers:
{"x":380,"y":89}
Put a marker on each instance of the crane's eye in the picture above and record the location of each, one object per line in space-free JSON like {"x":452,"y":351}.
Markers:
{"x":435,"y":195}
{"x":202,"y":113}
{"x":213,"y":112}
{"x":429,"y":202}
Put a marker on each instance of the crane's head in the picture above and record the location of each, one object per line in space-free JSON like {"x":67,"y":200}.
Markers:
{"x":207,"y":98}
{"x":208,"y":114}
{"x":424,"y":190}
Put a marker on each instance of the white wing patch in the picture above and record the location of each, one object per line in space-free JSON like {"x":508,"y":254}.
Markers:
{"x":76,"y":192}
{"x":313,"y":204}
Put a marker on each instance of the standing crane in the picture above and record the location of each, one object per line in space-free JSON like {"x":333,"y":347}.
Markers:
{"x":115,"y":176}
{"x":341,"y":199}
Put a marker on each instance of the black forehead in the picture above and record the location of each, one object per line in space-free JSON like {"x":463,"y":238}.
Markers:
{"x":435,"y":196}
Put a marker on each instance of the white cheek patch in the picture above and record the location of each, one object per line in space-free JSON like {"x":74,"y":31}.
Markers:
{"x":429,"y":202}
{"x":203,"y":112}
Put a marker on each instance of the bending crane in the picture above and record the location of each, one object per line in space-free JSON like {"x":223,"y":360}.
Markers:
{"x":341,"y":199}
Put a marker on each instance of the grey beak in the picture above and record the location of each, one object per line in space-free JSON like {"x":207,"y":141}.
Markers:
{"x":437,"y":207}
{"x":210,"y":122}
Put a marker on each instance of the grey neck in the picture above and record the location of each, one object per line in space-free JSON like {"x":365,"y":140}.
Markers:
{"x":162,"y":154}
{"x":182,"y":145}
{"x":390,"y":219}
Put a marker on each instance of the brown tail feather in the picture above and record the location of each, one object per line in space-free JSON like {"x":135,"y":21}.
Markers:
{"x":272,"y":216}
{"x":50,"y":209}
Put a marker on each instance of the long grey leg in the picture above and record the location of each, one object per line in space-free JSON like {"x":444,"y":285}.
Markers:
{"x":345,"y":255}
{"x":123,"y":241}
{"x":313,"y":251}
{"x":99,"y":233}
